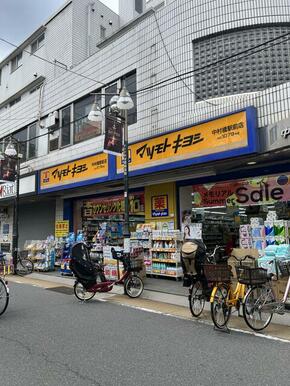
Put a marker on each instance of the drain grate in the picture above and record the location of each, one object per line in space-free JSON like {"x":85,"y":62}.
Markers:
{"x":62,"y":290}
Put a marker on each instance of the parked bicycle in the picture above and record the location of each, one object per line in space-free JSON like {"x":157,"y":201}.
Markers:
{"x":24,"y":266}
{"x":194,"y":257}
{"x":4,"y":295}
{"x":90,"y":276}
{"x":261,"y":302}
{"x":224,"y":296}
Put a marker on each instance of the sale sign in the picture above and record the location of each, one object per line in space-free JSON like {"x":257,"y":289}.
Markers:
{"x":255,"y":191}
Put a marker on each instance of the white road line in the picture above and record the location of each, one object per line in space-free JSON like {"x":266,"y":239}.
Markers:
{"x":206,"y":322}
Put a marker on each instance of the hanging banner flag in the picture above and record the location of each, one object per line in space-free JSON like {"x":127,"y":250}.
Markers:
{"x":113,"y":143}
{"x":8,"y":169}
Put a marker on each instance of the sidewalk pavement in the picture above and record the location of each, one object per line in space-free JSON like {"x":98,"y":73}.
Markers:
{"x":156,"y":299}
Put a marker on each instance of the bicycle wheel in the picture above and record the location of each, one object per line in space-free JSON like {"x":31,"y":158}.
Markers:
{"x":196,"y":299}
{"x":4,"y":297}
{"x":24,"y":267}
{"x":81,"y":293}
{"x":257,"y":310}
{"x":220,"y":309}
{"x":133,"y":286}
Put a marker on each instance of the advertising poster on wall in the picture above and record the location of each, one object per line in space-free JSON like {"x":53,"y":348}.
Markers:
{"x":255,"y":191}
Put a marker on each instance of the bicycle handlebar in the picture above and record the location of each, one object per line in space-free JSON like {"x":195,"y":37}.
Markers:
{"x":244,"y":258}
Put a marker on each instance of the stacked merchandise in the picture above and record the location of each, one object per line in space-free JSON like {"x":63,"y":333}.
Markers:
{"x":259,"y":234}
{"x":165,"y":253}
{"x":246,"y":236}
{"x":65,"y":259}
{"x":113,"y":267}
{"x":273,"y":254}
{"x":42,"y":253}
{"x":142,"y":238}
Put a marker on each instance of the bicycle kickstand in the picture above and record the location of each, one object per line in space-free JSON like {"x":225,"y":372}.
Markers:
{"x":225,"y":329}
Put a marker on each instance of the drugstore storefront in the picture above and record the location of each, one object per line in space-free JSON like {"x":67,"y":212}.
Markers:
{"x":93,"y":183}
{"x":160,"y":167}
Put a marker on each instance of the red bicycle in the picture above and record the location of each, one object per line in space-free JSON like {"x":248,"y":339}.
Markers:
{"x":90,"y":276}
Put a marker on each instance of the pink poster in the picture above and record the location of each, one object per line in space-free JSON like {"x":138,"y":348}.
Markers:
{"x":254,"y":191}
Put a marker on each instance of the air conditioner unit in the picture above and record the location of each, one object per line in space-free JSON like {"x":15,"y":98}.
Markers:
{"x":52,"y":119}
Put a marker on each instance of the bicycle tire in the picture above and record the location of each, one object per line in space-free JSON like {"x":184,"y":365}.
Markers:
{"x":219,"y":307}
{"x":133,"y":282}
{"x":24,"y":267}
{"x":196,"y":298}
{"x":4,"y":296}
{"x":81,"y":293}
{"x":250,"y":311}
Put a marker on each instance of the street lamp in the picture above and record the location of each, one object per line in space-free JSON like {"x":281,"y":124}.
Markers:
{"x":123,"y":103}
{"x":12,"y":153}
{"x":120,"y":104}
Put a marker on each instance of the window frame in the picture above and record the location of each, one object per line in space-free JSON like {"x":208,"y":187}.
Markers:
{"x":18,"y":62}
{"x":39,"y":43}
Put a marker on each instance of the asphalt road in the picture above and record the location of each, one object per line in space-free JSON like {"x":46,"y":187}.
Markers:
{"x":48,"y":338}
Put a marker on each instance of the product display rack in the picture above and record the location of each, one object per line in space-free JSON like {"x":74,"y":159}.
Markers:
{"x":165,"y":254}
{"x":142,"y":238}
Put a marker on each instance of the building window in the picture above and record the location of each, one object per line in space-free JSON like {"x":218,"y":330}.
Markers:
{"x":38,"y":43}
{"x":130,"y":81}
{"x":102,"y":33}
{"x":83,"y":128}
{"x":139,"y":6}
{"x":65,"y":126}
{"x":32,"y":141}
{"x":16,"y":62}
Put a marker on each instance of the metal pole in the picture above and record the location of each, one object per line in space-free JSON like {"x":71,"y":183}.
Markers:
{"x":16,"y":215}
{"x":126,"y":232}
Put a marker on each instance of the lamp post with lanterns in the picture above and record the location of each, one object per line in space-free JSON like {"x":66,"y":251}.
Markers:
{"x":119,"y":106}
{"x":13,"y":156}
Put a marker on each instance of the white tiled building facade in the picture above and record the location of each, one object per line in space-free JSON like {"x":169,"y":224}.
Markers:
{"x":87,"y":47}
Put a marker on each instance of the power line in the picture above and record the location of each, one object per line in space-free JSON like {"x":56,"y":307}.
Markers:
{"x":174,"y":67}
{"x":187,"y":74}
{"x":223,"y":60}
{"x":53,"y":63}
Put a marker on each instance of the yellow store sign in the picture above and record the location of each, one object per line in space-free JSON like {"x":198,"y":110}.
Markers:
{"x":75,"y":172}
{"x":216,"y":136}
{"x":61,"y":228}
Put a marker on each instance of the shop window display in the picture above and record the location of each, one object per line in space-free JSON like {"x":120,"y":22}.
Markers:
{"x":250,"y":213}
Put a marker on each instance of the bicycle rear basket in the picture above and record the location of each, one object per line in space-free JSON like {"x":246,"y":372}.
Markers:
{"x":251,"y":276}
{"x":217,"y":272}
{"x":284,"y":268}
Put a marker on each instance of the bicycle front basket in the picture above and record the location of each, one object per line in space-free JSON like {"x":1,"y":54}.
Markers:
{"x":284,"y":268}
{"x":251,"y":276}
{"x":217,"y":272}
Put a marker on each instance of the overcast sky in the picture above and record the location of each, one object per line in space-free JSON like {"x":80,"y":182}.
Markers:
{"x":19,"y":18}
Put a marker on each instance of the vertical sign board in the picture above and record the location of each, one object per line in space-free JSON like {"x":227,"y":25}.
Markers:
{"x":61,"y":228}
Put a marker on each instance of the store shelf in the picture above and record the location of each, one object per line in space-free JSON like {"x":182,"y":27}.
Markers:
{"x":169,"y":250}
{"x":165,"y":274}
{"x":165,"y":261}
{"x":164,"y":238}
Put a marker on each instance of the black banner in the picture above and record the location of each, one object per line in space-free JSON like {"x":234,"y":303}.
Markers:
{"x":113,"y":142}
{"x":8,"y":169}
